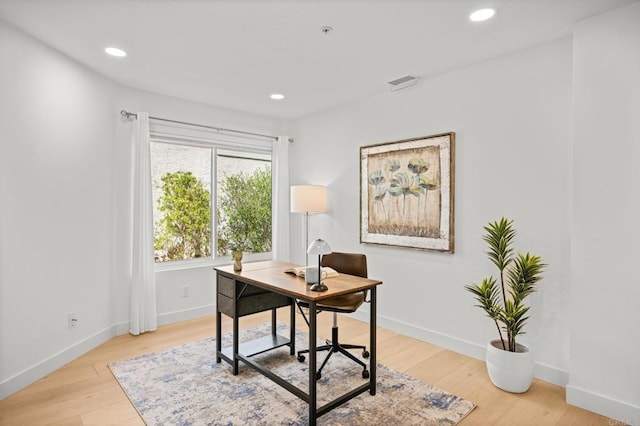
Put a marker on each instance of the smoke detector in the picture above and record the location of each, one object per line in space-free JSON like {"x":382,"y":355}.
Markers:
{"x":326,"y":30}
{"x":402,"y":82}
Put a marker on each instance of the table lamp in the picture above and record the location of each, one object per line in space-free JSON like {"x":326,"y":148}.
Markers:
{"x":319,"y":247}
{"x":308,"y":199}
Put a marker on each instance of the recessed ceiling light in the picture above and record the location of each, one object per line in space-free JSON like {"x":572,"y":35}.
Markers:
{"x":277,"y":96}
{"x":114,"y":51}
{"x":482,"y":15}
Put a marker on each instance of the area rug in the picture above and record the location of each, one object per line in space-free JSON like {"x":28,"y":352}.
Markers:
{"x":185,"y":386}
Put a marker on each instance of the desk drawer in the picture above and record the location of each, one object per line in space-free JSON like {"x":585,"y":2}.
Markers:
{"x":226,"y":306}
{"x":251,"y":304}
{"x":261,"y":302}
{"x":226,"y":287}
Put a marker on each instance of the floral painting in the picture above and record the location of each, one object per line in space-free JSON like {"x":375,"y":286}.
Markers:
{"x":406,"y":192}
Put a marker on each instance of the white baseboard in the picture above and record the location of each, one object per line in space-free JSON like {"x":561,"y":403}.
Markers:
{"x":541,"y":371}
{"x":544,"y":372}
{"x":619,"y":412}
{"x":41,"y":369}
{"x":122,"y":328}
{"x":550,"y":374}
{"x":173,"y":317}
{"x":186,"y":314}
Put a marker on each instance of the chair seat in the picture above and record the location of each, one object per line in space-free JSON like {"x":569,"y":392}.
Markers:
{"x":345,"y":303}
{"x":344,"y":263}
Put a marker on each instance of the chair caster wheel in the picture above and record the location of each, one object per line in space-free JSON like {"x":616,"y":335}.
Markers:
{"x":365,"y":354}
{"x":365,"y":374}
{"x":318,"y":376}
{"x":301,"y":358}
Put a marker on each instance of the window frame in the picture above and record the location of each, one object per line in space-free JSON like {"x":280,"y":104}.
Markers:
{"x":226,"y":143}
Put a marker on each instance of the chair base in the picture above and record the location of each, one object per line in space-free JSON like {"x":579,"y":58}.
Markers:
{"x":334,"y":346}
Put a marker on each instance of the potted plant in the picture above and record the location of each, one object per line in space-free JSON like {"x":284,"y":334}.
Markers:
{"x":234,"y":230}
{"x":234,"y":238}
{"x":236,"y":255}
{"x":238,"y":244}
{"x":509,"y":363}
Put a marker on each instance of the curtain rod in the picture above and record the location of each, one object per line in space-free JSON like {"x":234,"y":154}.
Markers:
{"x":127,"y":115}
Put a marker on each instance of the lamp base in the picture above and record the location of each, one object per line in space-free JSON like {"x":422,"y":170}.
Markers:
{"x":319,"y":287}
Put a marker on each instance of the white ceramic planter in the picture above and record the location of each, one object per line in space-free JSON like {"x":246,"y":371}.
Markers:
{"x":510,"y":371}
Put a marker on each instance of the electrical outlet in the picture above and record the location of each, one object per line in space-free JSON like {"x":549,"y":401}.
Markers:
{"x":72,"y":320}
{"x":185,"y":291}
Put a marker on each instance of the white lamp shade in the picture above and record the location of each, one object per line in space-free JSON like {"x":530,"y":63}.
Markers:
{"x":319,"y":247}
{"x":308,"y":199}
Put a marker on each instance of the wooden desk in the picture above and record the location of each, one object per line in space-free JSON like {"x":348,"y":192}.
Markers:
{"x":236,"y":298}
{"x":270,"y":276}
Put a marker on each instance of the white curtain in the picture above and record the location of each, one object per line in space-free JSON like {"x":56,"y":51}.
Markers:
{"x":143,"y":280}
{"x":280,"y":198}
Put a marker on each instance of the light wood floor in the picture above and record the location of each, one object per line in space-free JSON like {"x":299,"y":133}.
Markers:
{"x":84,"y":392}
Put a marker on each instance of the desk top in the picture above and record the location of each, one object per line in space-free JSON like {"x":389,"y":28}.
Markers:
{"x":271,"y":275}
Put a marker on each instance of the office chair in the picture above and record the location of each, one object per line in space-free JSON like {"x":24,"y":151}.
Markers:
{"x":346,"y":263}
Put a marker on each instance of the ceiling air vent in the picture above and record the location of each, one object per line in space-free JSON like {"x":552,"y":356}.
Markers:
{"x":402,"y":82}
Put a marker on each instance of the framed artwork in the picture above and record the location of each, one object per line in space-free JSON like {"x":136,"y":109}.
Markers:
{"x":407,"y":193}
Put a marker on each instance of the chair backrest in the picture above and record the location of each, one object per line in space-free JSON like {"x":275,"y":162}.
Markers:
{"x":346,"y":263}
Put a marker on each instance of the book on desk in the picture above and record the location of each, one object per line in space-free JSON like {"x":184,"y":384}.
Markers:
{"x":300,"y":271}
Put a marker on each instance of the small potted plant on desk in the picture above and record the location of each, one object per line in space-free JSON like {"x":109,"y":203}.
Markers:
{"x":509,"y":364}
{"x":238,"y":243}
{"x":237,"y":251}
{"x":233,"y":239}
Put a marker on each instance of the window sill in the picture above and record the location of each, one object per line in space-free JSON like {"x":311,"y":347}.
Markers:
{"x":208,"y":262}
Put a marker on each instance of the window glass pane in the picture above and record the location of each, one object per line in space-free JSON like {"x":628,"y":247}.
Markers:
{"x":243,"y":215}
{"x":181,"y":176}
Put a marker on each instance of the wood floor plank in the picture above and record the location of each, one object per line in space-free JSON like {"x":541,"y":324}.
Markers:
{"x":435,"y":367}
{"x":574,"y":416}
{"x":543,"y":405}
{"x":65,"y":375}
{"x":491,"y":405}
{"x":84,"y":392}
{"x":54,"y":395}
{"x":400,"y":350}
{"x":114,"y":414}
{"x":466,"y":379}
{"x":71,"y":421}
{"x":68,"y":408}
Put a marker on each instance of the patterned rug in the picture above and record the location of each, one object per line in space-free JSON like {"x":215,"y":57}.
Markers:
{"x":185,"y":386}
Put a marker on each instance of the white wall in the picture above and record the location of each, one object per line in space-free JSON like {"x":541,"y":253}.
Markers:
{"x":57,"y":120}
{"x":64,"y":157}
{"x":548,"y":137}
{"x":605,"y":304}
{"x":64,"y":189}
{"x":512,"y":122}
{"x":172,"y":306}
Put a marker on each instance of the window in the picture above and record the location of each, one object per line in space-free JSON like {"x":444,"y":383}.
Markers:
{"x":244,"y":202}
{"x":192,"y":179}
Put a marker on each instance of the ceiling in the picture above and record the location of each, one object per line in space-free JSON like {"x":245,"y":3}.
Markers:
{"x":235,"y":53}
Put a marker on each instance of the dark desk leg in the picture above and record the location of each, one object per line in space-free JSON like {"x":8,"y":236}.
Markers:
{"x":235,"y":345}
{"x":218,"y":335}
{"x":273,"y":322}
{"x":292,"y":327}
{"x":312,"y":363}
{"x":372,"y":342}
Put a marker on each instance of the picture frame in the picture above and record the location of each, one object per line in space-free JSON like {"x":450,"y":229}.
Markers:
{"x":407,"y":193}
